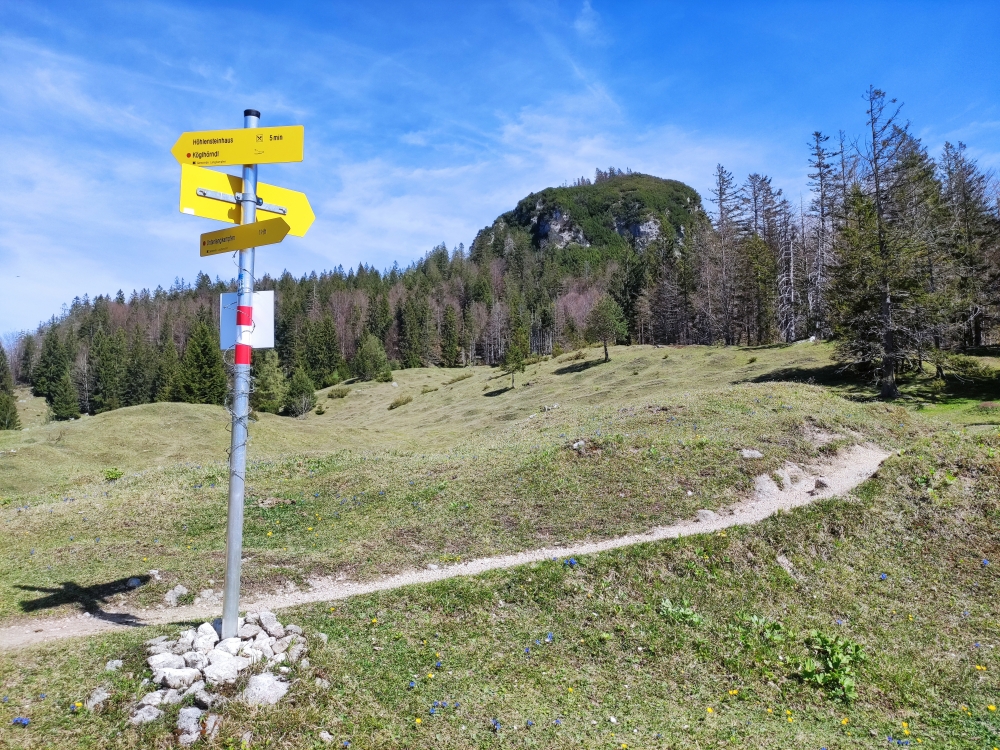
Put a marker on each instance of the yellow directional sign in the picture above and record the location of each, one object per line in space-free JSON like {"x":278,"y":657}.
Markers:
{"x":218,"y":148}
{"x":212,"y":195}
{"x":244,"y":236}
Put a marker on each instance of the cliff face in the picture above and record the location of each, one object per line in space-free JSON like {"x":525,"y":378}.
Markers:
{"x":636,"y":210}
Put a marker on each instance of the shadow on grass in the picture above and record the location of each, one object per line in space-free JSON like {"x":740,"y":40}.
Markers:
{"x":497,"y":392}
{"x":579,"y":367}
{"x":88,"y":598}
{"x":852,"y":386}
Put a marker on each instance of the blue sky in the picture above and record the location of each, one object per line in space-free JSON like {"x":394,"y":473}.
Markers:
{"x":424,"y":121}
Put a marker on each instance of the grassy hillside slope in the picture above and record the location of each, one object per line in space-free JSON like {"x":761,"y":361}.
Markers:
{"x":905,"y":569}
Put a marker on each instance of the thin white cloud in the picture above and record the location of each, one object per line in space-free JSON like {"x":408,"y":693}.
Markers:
{"x":587,"y":23}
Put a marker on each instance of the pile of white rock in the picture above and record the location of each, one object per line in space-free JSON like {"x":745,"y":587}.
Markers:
{"x":198,"y":660}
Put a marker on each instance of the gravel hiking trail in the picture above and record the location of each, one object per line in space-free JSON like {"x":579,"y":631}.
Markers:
{"x":835,"y":476}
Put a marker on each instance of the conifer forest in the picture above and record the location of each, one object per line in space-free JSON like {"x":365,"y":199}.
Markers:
{"x":893,"y":255}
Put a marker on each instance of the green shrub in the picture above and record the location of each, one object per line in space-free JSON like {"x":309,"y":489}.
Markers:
{"x":400,"y":401}
{"x":370,"y":363}
{"x":751,"y":360}
{"x":340,"y":392}
{"x":831,"y":666}
{"x":111,"y":475}
{"x":682,"y":613}
{"x":969,"y":367}
{"x":427,"y":389}
{"x":301,"y":395}
{"x":987,"y":407}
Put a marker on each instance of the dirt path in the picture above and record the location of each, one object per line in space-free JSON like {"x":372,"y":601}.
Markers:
{"x":801,"y":485}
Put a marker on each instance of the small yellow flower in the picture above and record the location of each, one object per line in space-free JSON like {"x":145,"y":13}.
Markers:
{"x":374,"y":621}
{"x":845,"y":721}
{"x":734,"y":692}
{"x":430,"y":675}
{"x":787,"y":712}
{"x":144,"y":559}
{"x":770,"y":711}
{"x":309,"y":529}
{"x":571,"y":690}
{"x":419,"y":721}
{"x":980,"y":668}
{"x":905,"y":725}
{"x":906,"y":731}
{"x":437,"y":654}
{"x":790,"y":719}
{"x":708,"y":710}
{"x":270,"y":533}
{"x":333,"y":609}
{"x":991,"y":707}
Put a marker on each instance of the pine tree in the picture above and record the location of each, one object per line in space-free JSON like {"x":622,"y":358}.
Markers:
{"x":379,"y":316}
{"x":9,"y":419}
{"x":202,"y":376}
{"x":52,"y":363}
{"x":269,"y":384}
{"x":301,"y":395}
{"x":449,"y":338}
{"x":65,"y":404}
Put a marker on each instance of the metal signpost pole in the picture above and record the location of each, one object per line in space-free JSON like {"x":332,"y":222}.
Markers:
{"x":241,"y":402}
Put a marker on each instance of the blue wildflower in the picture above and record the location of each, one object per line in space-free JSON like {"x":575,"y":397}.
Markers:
{"x":412,"y":684}
{"x":22,"y":720}
{"x":435,"y":704}
{"x":457,"y":705}
{"x":883,"y":576}
{"x":347,"y":743}
{"x":549,"y":638}
{"x":438,"y":664}
{"x":97,"y":539}
{"x":538,"y":642}
{"x":839,"y":622}
{"x":495,"y":725}
{"x":975,"y":645}
{"x":527,"y":649}
{"x":985,"y":562}
{"x":557,"y":722}
{"x":432,"y":711}
{"x":529,"y":724}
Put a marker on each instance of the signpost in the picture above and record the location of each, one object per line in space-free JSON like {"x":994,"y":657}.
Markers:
{"x":215,"y":195}
{"x":234,"y":200}
{"x":219,"y":148}
{"x":244,"y":237}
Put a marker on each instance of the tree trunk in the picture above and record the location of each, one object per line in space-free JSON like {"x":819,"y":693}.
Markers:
{"x":606,"y":350}
{"x":889,"y":389}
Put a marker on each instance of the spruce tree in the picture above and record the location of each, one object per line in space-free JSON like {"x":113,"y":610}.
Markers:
{"x":301,"y":395}
{"x":27,"y":360}
{"x":518,"y":346}
{"x":9,"y":419}
{"x":52,"y":363}
{"x":370,"y":362}
{"x":65,"y":404}
{"x":269,"y":385}
{"x":6,"y":379}
{"x":449,"y":338}
{"x":605,"y":322}
{"x":167,"y":366}
{"x":140,"y":369}
{"x":109,"y":353}
{"x":202,"y":376}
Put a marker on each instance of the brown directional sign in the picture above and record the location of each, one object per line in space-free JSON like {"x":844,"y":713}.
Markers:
{"x":244,"y":236}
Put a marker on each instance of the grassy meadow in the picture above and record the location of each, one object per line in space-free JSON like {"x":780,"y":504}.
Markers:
{"x":698,"y":642}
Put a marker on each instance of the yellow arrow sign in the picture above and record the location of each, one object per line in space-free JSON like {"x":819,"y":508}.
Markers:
{"x":244,"y":236}
{"x":217,"y":148}
{"x":197,"y":184}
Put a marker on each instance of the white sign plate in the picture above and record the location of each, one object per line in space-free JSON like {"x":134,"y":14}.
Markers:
{"x":262,"y":335}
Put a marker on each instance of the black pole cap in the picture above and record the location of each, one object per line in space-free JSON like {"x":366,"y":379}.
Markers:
{"x":251,"y":113}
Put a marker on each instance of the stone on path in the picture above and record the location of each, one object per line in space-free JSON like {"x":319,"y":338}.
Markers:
{"x":113,"y":666}
{"x":271,"y":625}
{"x":325,"y":737}
{"x":145,"y":715}
{"x":189,"y":725}
{"x":706,"y":516}
{"x":97,"y":697}
{"x":751,"y":453}
{"x":264,"y":689}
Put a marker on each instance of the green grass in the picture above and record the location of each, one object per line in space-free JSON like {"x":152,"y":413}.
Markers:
{"x":466,"y":474}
